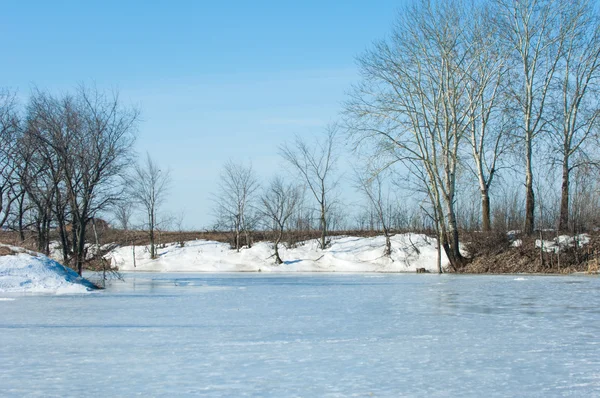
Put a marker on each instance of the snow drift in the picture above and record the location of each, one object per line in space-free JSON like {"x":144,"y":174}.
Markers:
{"x":346,"y":254}
{"x":23,"y":271}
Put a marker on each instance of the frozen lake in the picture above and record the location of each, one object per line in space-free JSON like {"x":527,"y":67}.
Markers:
{"x":307,"y":335}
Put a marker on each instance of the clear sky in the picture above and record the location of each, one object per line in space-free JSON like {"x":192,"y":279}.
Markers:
{"x":215,"y":80}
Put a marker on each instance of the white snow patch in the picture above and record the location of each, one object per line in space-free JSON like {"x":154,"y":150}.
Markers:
{"x":562,"y":242}
{"x":346,"y":254}
{"x":30,"y":272}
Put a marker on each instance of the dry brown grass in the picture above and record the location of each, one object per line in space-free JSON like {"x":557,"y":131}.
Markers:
{"x":6,"y":251}
{"x":529,"y":259}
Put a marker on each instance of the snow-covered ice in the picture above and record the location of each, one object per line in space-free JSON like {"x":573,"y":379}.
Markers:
{"x":30,"y":272}
{"x":346,"y":254}
{"x":281,"y":335}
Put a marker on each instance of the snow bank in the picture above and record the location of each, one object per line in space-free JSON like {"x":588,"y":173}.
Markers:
{"x":563,"y":242}
{"x":29,"y":272}
{"x":346,"y":254}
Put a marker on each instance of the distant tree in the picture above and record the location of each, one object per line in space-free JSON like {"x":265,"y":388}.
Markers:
{"x":371,"y":184}
{"x":179,"y":223}
{"x":279,"y":201}
{"x":122,"y":212}
{"x":316,"y":166}
{"x":149,"y":187}
{"x":234,"y":201}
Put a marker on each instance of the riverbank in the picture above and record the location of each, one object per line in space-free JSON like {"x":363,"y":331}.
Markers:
{"x":495,"y":253}
{"x":410,"y":252}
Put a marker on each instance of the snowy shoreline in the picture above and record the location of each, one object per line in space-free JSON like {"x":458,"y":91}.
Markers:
{"x":346,"y":254}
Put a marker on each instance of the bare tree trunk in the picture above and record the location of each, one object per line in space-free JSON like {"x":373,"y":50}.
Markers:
{"x":21,"y":215}
{"x":439,"y":252}
{"x":277,"y":241}
{"x":47,"y":236}
{"x":323,"y":222}
{"x":485,"y":211}
{"x":452,"y":244}
{"x":563,"y":223}
{"x":63,"y":234}
{"x":237,"y":233}
{"x":133,"y":252}
{"x":151,"y":235}
{"x":80,"y":252}
{"x":388,"y":243}
{"x":529,"y":196}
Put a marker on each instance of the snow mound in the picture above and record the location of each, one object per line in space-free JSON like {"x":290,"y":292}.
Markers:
{"x":345,"y":254}
{"x":562,"y":242}
{"x":24,"y":271}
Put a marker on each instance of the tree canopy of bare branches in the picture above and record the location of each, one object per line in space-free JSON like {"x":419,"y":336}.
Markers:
{"x":149,"y":187}
{"x":411,"y":104}
{"x":86,"y":141}
{"x":279,"y":201}
{"x":9,"y":130}
{"x":235,"y":200}
{"x":316,"y":166}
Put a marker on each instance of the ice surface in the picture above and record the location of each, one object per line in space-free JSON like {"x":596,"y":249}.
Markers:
{"x":315,"y":335}
{"x":346,"y":254}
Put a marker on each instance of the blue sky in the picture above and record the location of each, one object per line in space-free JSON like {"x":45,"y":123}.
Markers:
{"x":214,"y":80}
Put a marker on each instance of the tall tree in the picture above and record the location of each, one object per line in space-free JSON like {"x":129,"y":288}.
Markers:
{"x":534,"y":32}
{"x":411,"y":104}
{"x":9,"y":132}
{"x":486,"y":92}
{"x":91,"y":135}
{"x":576,"y":111}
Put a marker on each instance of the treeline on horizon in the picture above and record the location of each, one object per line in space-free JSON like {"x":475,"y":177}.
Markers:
{"x":469,"y":116}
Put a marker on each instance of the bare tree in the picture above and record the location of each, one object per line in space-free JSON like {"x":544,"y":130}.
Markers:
{"x":279,"y":202}
{"x":178,"y":221}
{"x":535,"y":33}
{"x":149,"y":187}
{"x":41,"y":191}
{"x":411,"y":105}
{"x":90,"y":134}
{"x":9,"y":131}
{"x":371,"y":184}
{"x":122,"y":212}
{"x":486,"y":92}
{"x":316,"y":165}
{"x":41,"y":167}
{"x":234,"y":201}
{"x":575,"y":109}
